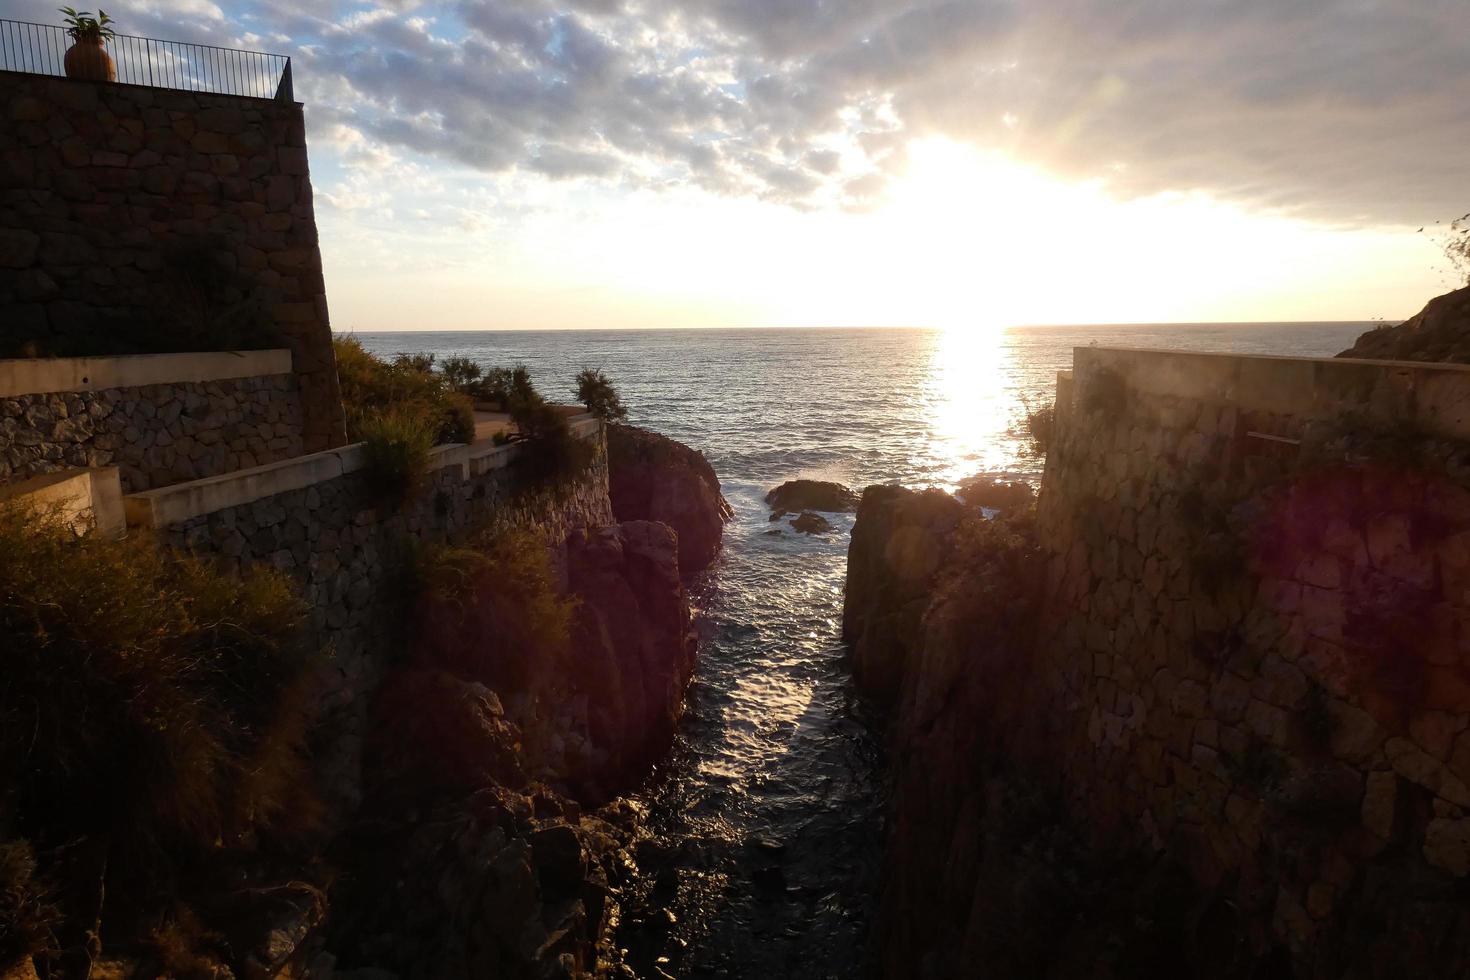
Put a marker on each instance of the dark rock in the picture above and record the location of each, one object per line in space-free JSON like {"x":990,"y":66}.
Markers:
{"x":898,"y":544}
{"x":800,"y":495}
{"x":1439,"y":332}
{"x":654,"y":478}
{"x":809,"y":523}
{"x":997,"y":494}
{"x":561,"y":861}
{"x":436,"y":732}
{"x":633,"y":642}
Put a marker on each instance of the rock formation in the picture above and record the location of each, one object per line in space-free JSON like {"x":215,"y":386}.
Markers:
{"x":633,"y":643}
{"x":653,"y":478}
{"x":899,"y":544}
{"x":822,"y":495}
{"x":1439,"y":332}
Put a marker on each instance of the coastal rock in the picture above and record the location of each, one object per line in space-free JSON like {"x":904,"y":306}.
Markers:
{"x":823,"y":495}
{"x":810,"y":523}
{"x":435,"y":732}
{"x":497,"y":884}
{"x":995,"y":493}
{"x":653,"y":478}
{"x":898,"y":545}
{"x":1439,"y":332}
{"x":633,"y":641}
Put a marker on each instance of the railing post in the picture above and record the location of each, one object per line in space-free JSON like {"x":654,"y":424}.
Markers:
{"x":284,"y":92}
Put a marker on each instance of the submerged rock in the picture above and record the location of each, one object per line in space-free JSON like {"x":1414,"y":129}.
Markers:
{"x":810,"y":523}
{"x":1439,"y":332}
{"x":653,"y":478}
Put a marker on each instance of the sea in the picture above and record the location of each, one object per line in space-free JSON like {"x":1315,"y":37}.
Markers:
{"x":772,"y":800}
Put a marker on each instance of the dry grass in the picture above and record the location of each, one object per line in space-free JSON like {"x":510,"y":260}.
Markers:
{"x":149,"y":703}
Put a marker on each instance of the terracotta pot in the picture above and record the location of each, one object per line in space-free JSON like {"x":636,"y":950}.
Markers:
{"x":88,"y":59}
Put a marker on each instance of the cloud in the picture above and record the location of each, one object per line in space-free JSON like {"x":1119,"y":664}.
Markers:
{"x":1343,"y":110}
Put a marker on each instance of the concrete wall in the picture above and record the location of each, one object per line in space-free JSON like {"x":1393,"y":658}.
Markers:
{"x":1256,"y":647}
{"x":318,"y":519}
{"x":134,"y":217}
{"x":160,"y":419}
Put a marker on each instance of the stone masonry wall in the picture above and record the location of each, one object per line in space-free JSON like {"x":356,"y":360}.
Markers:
{"x":346,"y":548}
{"x":1256,"y":642}
{"x":155,"y":434}
{"x":129,"y":208}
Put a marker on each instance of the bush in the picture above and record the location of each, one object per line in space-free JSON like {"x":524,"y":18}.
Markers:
{"x":396,"y":446}
{"x":492,"y":611}
{"x":553,"y":454}
{"x":408,"y":385}
{"x":1038,"y":425}
{"x":597,"y":392}
{"x":151,"y":705}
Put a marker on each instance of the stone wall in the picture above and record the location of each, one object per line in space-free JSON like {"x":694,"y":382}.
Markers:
{"x":133,"y":217}
{"x":346,"y":546}
{"x":155,"y":434}
{"x":1255,"y":646}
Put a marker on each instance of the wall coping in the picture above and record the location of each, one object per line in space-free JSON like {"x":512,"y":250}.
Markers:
{"x":183,"y":501}
{"x":39,"y":376}
{"x":1433,"y":396}
{"x":91,"y":499}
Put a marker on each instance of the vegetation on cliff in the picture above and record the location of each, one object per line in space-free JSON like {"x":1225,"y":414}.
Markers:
{"x":407,"y":386}
{"x":152,"y":720}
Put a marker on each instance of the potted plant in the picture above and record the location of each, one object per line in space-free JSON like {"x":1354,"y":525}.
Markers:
{"x":87,"y":58}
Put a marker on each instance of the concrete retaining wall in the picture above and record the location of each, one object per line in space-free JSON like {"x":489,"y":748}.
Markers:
{"x":160,"y":419}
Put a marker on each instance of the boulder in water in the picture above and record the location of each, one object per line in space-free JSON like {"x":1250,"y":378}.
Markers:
{"x":810,"y":523}
{"x":802,"y":495}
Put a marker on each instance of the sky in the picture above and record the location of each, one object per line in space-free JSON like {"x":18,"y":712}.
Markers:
{"x":486,"y":164}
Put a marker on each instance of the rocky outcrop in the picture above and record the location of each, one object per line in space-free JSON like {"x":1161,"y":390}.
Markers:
{"x":1439,"y":332}
{"x":653,"y":478}
{"x":822,"y":495}
{"x":634,"y":645}
{"x":898,"y":545}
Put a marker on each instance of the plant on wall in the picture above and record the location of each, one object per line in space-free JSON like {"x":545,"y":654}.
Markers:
{"x":81,"y":24}
{"x":86,"y":58}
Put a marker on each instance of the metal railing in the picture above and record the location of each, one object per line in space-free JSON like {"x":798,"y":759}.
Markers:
{"x":40,"y":49}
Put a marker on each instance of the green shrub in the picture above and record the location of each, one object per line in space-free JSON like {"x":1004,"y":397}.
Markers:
{"x":596,"y":391}
{"x":553,"y":454}
{"x":462,"y":374}
{"x":150,"y":705}
{"x":408,"y":385}
{"x":396,"y":446}
{"x":492,"y":611}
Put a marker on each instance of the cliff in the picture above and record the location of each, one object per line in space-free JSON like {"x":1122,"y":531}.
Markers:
{"x":1439,"y":332}
{"x":653,"y":478}
{"x":1207,"y":714}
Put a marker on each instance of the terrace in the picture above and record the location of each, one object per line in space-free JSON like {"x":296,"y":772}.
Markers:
{"x":40,"y":49}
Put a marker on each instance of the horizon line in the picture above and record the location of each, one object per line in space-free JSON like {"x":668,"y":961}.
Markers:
{"x":1017,"y":326}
